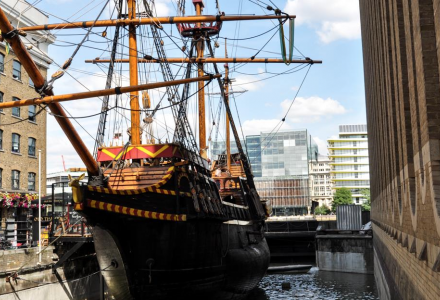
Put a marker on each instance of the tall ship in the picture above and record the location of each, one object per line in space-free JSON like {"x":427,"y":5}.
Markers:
{"x":166,"y":220}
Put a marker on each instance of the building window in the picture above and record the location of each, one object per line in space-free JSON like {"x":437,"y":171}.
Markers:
{"x":355,"y":159}
{"x":32,"y":145}
{"x":1,"y":139}
{"x":1,"y":176}
{"x":357,"y":199}
{"x":16,"y":70}
{"x":1,"y":99}
{"x":354,"y":144}
{"x":31,"y":181}
{"x":15,"y":178}
{"x":15,"y":110}
{"x":32,"y":116}
{"x":15,"y":143}
{"x":31,"y":83}
{"x":2,"y":63}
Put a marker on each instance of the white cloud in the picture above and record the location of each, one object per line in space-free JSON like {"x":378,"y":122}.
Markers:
{"x":332,"y":20}
{"x":312,"y":109}
{"x":162,"y":8}
{"x":249,"y":82}
{"x":253,"y":127}
{"x":322,"y":145}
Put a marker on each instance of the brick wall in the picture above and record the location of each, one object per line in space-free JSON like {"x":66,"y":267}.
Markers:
{"x":21,"y":161}
{"x":401,"y":44}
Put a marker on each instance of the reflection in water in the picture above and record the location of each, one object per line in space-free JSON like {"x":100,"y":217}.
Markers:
{"x":317,"y":285}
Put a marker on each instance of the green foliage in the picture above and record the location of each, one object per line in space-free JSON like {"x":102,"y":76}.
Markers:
{"x":366,"y":194}
{"x":341,"y":197}
{"x":322,"y":210}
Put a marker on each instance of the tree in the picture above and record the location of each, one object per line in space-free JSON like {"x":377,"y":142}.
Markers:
{"x":322,"y":210}
{"x":366,"y":194}
{"x":341,"y":197}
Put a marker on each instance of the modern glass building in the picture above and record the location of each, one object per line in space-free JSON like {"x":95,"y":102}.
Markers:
{"x":284,"y":180}
{"x":253,"y":143}
{"x":349,"y":160}
{"x":280,"y":164}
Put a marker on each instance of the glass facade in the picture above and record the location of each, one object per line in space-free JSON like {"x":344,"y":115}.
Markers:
{"x":253,"y":143}
{"x":280,"y":164}
{"x":219,"y":147}
{"x":288,"y":195}
{"x":287,"y":153}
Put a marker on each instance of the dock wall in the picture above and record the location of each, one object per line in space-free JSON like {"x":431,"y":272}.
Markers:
{"x":351,"y":253}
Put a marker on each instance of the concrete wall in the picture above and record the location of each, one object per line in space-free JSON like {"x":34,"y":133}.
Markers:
{"x":401,"y":46}
{"x":345,"y":253}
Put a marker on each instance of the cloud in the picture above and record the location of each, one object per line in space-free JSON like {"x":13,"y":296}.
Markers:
{"x":254,"y":127}
{"x":332,"y":20}
{"x":162,"y":8}
{"x":312,"y":109}
{"x":249,"y":82}
{"x":322,"y":145}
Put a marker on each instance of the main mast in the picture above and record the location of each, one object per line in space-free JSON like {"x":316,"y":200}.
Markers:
{"x":199,"y":38}
{"x":228,"y":133}
{"x":134,"y":101}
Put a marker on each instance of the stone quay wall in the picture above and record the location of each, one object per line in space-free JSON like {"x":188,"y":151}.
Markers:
{"x":401,"y":47}
{"x":351,"y":253}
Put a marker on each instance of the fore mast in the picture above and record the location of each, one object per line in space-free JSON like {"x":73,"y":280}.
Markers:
{"x":200,"y":40}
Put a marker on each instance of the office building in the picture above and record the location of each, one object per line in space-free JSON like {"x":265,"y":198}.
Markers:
{"x":285,"y":157}
{"x":349,"y":160}
{"x":280,"y":164}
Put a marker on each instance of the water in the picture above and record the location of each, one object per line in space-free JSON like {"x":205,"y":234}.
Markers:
{"x":317,"y":285}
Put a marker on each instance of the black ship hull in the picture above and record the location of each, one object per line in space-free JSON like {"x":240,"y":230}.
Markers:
{"x":154,"y":244}
{"x":191,"y":259}
{"x":182,"y":263}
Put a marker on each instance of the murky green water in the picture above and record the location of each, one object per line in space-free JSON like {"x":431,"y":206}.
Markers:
{"x":317,"y":285}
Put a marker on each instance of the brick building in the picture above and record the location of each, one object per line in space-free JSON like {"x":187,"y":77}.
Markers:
{"x":401,"y":49}
{"x":22,"y":130}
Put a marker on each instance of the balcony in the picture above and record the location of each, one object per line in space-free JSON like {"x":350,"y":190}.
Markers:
{"x":348,"y":147}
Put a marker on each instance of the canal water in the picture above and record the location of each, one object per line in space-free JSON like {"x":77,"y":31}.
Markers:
{"x":317,"y":285}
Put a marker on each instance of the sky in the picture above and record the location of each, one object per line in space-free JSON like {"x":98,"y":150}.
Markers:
{"x":328,"y":95}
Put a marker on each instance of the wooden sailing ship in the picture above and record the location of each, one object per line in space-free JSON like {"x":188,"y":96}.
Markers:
{"x":162,"y":225}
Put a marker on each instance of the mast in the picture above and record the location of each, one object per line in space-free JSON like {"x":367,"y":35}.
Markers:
{"x":134,"y":101}
{"x":201,"y":92}
{"x":228,"y":138}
